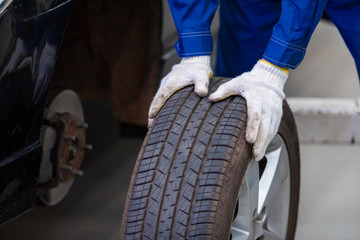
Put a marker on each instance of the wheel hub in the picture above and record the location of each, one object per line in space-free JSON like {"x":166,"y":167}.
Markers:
{"x":259,"y":222}
{"x":267,"y":190}
{"x":73,"y":148}
{"x":63,"y":140}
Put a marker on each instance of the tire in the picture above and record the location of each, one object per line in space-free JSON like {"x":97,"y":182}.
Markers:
{"x":195,"y":168}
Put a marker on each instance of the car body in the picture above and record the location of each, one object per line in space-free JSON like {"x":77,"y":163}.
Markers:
{"x":30,"y":37}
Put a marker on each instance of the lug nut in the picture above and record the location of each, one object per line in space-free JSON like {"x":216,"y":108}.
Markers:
{"x":88,"y":147}
{"x":67,"y":168}
{"x":78,"y":173}
{"x":70,"y":138}
{"x":83,"y":125}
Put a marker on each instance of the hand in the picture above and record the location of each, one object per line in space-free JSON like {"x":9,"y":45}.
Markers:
{"x":192,"y":70}
{"x":262,"y":88}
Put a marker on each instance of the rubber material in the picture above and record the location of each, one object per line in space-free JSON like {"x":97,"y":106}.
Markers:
{"x":190,"y":167}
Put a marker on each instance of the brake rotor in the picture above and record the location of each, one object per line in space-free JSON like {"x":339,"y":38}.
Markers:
{"x":64,"y":137}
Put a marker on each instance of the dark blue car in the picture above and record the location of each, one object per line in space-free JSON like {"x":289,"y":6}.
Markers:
{"x":42,"y":129}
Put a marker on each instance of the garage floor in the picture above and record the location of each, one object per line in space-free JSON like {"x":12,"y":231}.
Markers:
{"x":330,"y":193}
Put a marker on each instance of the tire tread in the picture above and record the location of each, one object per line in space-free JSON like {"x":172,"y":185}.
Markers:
{"x":186,"y":167}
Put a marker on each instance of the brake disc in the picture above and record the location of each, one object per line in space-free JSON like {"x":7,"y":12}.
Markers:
{"x":63,"y":138}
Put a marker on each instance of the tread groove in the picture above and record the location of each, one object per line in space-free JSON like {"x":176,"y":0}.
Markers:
{"x":186,"y":164}
{"x":202,"y":163}
{"x":162,"y":149}
{"x":173,"y":160}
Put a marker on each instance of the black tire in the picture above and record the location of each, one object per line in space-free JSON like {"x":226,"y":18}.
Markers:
{"x":190,"y":168}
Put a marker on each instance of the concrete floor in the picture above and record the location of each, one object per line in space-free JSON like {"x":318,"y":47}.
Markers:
{"x":330,"y":193}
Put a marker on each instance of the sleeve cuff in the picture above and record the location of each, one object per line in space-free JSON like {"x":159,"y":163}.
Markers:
{"x":283,"y":54}
{"x":194,"y":44}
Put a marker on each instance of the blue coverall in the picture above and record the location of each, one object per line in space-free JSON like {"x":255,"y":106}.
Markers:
{"x":276,"y":30}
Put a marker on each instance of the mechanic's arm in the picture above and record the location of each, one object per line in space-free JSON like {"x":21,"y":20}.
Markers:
{"x":193,"y":20}
{"x":262,"y":87}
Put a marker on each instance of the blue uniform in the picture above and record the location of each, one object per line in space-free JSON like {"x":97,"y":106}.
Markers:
{"x":278,"y":31}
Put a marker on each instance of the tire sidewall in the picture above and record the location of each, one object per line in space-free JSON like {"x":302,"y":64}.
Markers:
{"x":288,"y":132}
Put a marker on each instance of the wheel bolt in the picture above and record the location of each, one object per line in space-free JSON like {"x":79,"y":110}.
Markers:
{"x":78,"y":173}
{"x":83,"y":125}
{"x":70,"y":138}
{"x":88,"y":147}
{"x":67,"y":168}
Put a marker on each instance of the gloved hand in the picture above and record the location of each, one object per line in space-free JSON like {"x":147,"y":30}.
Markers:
{"x":262,"y":88}
{"x":191,"y":70}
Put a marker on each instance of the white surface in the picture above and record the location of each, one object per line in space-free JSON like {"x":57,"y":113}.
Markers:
{"x":325,"y":106}
{"x":327,"y":120}
{"x":330,"y":193}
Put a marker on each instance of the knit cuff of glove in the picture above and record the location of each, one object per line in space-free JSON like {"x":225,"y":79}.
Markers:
{"x":197,"y":59}
{"x":271,"y":74}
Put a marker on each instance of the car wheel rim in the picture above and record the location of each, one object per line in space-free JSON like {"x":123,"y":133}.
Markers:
{"x":262,"y":208}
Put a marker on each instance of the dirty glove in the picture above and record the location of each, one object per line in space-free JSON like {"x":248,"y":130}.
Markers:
{"x":191,"y":70}
{"x":262,"y":88}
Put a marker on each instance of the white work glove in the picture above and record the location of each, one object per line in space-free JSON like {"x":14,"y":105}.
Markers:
{"x":191,"y":70}
{"x":262,"y":88}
